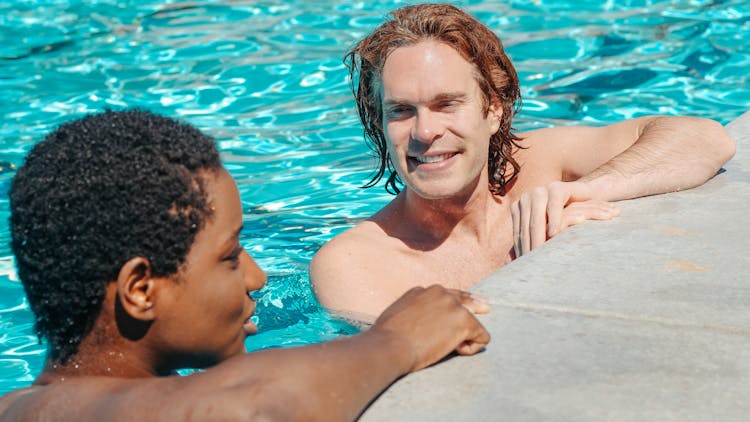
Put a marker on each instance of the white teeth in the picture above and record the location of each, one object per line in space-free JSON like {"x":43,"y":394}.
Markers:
{"x":431,"y":159}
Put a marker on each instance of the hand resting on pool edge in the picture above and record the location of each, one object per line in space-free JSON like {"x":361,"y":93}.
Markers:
{"x":125,"y":227}
{"x":437,"y":94}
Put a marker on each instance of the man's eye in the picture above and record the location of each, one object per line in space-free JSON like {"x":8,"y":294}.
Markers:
{"x":447,"y":105}
{"x":235,"y":256}
{"x":398,"y":112}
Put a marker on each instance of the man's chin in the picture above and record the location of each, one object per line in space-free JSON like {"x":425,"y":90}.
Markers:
{"x":434,"y":191}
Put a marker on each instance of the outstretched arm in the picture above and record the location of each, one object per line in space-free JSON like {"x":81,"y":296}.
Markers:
{"x":328,"y":381}
{"x":336,"y":380}
{"x":639,"y":157}
{"x":667,"y":154}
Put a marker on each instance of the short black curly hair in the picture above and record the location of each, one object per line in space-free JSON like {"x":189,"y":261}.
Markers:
{"x":95,"y":193}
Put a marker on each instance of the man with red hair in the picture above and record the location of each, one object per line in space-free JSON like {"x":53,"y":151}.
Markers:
{"x":436,"y":94}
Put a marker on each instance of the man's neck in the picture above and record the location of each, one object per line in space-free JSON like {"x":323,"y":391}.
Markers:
{"x":104,"y":363}
{"x":121,"y":359}
{"x":429,"y":222}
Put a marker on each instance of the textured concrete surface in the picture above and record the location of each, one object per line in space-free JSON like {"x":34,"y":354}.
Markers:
{"x":645,"y":317}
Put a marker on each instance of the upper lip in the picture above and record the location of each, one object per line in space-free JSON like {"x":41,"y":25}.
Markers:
{"x":431,"y":153}
{"x":428,"y":157}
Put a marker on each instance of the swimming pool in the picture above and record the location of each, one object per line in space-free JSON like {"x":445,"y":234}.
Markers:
{"x":266,"y":80}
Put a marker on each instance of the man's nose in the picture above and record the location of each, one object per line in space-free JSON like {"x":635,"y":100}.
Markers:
{"x":255,"y":278}
{"x":427,"y":126}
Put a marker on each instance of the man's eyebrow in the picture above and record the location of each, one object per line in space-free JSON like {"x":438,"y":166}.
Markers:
{"x":450,"y":96}
{"x":445,"y":96}
{"x":234,"y":238}
{"x":393,"y":101}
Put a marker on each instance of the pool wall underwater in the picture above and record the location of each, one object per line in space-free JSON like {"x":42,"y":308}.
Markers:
{"x":266,"y":80}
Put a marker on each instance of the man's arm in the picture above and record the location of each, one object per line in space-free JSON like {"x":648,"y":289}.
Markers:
{"x":662,"y":154}
{"x":328,"y":381}
{"x":639,"y":157}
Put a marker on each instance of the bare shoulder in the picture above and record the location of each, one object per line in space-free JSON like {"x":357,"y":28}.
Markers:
{"x":83,"y":398}
{"x":344,"y":251}
{"x":540,"y":160}
{"x":109,"y":398}
{"x":18,"y":405}
{"x":346,"y":271}
{"x":569,"y":152}
{"x":92,"y":396}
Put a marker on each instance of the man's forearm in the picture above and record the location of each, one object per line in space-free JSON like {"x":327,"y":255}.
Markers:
{"x":671,"y":154}
{"x":332,"y":380}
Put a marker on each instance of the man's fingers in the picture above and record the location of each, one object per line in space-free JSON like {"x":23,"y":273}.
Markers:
{"x":555,"y":204}
{"x":524,"y":236}
{"x":604,"y":211}
{"x":588,"y":210}
{"x":477,"y":337}
{"x":476,"y":344}
{"x":475,"y":304}
{"x":538,"y":218}
{"x":546,"y":210}
{"x":515,"y":212}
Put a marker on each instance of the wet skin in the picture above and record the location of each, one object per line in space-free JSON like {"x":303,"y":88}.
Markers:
{"x":207,"y":301}
{"x":437,"y":131}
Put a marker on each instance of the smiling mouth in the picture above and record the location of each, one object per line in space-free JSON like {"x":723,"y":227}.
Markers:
{"x":430,"y":159}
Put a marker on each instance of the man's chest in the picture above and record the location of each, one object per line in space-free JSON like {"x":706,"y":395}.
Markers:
{"x":453,"y":264}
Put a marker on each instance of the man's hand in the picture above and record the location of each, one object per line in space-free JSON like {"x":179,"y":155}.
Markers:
{"x":435,"y":321}
{"x":547,"y":210}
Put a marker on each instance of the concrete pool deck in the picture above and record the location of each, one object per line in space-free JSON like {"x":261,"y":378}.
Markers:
{"x":645,"y":317}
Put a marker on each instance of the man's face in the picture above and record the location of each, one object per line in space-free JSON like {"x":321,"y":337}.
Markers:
{"x":437,"y":134}
{"x":208,"y":300}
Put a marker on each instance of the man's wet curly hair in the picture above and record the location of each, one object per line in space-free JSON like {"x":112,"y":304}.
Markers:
{"x":476,"y":43}
{"x":93,"y":194}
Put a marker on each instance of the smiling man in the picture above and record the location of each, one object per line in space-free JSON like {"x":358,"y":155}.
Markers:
{"x":125,"y":227}
{"x":436,"y":94}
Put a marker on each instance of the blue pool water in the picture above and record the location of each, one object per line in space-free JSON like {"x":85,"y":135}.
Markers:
{"x":266,"y":80}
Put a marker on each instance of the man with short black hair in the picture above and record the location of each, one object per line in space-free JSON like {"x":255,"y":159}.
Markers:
{"x":125,"y":227}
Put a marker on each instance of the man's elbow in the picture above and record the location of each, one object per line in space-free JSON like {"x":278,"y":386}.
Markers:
{"x":721,"y":144}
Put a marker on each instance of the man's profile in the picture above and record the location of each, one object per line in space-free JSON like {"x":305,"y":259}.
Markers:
{"x":436,"y":95}
{"x":126,"y":231}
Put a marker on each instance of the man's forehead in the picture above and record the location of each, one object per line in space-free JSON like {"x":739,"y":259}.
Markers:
{"x":429,"y":69}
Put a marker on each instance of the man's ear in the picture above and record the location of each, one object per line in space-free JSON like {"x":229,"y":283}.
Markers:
{"x":495,"y":114}
{"x":136,"y":289}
